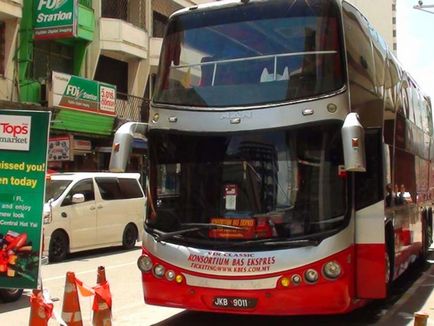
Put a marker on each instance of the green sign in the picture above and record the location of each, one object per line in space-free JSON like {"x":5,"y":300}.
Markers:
{"x":23,"y":157}
{"x":73,"y":92}
{"x":55,"y":18}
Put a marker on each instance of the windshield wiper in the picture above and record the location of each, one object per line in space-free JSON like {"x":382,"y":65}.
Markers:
{"x":300,"y":241}
{"x":192,"y":227}
{"x":293,"y":243}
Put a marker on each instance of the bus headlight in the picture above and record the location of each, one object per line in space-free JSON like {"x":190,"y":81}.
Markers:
{"x":170,"y":275}
{"x":159,"y":270}
{"x":296,"y":279}
{"x":311,"y":275}
{"x":144,"y":263}
{"x":332,"y":269}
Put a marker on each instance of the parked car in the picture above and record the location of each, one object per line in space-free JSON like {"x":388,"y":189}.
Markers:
{"x":9,"y":295}
{"x":89,"y":210}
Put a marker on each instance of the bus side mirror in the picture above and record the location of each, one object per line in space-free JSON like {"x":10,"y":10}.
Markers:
{"x":353,"y":141}
{"x":123,"y":144}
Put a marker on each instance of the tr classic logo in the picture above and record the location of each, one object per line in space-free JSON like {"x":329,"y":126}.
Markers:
{"x":15,"y":132}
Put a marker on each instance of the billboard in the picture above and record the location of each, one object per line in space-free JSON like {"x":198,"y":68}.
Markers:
{"x":73,"y":92}
{"x":23,"y":160}
{"x":55,"y":19}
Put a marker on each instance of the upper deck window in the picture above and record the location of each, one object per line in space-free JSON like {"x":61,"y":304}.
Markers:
{"x":254,"y":54}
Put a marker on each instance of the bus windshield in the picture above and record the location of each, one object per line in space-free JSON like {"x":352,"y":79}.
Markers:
{"x":278,"y":185}
{"x":279,"y":52}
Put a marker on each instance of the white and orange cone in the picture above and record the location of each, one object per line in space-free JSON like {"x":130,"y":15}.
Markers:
{"x":102,"y":304}
{"x":71,"y":312}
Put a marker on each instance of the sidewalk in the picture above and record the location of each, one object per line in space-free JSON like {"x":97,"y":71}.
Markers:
{"x":419,"y":297}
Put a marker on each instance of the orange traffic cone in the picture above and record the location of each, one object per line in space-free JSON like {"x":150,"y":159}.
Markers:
{"x":40,"y":311}
{"x":102,"y":304}
{"x":71,"y":312}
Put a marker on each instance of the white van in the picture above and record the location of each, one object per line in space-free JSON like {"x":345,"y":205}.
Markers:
{"x":89,"y":210}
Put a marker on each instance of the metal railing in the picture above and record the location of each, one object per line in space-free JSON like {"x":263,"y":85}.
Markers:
{"x":132,"y":11}
{"x":132,"y":108}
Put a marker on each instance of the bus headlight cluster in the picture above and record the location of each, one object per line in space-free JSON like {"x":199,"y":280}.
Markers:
{"x":146,"y":265}
{"x":332,"y":270}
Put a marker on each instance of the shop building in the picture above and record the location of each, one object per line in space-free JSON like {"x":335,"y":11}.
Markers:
{"x":10,"y":15}
{"x":91,"y":63}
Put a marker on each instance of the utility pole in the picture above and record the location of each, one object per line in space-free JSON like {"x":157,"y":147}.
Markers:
{"x":422,"y":7}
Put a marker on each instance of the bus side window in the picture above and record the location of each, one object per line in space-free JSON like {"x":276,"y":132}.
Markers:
{"x":369,"y":184}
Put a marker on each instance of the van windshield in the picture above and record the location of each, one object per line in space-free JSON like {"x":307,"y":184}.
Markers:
{"x":54,"y":188}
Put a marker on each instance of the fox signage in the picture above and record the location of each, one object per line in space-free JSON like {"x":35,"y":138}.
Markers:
{"x":72,"y":92}
{"x":23,"y":158}
{"x":55,"y":19}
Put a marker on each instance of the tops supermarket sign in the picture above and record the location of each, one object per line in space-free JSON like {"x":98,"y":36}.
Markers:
{"x":15,"y":132}
{"x":55,"y":18}
{"x":73,"y":92}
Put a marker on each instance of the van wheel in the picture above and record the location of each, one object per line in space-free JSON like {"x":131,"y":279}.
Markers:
{"x":59,"y":246}
{"x":129,"y":237}
{"x":10,"y":295}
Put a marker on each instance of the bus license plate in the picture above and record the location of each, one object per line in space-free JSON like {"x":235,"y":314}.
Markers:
{"x":234,"y":302}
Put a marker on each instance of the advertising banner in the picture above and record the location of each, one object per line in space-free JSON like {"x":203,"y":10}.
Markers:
{"x":73,"y":92}
{"x":23,"y":157}
{"x":60,"y":149}
{"x":54,"y":19}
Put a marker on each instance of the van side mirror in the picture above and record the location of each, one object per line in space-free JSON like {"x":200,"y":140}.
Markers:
{"x":353,"y":141}
{"x":78,"y":198}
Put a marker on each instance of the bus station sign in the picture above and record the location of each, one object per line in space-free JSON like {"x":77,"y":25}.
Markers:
{"x":55,"y":19}
{"x":73,"y":92}
{"x":23,"y":148}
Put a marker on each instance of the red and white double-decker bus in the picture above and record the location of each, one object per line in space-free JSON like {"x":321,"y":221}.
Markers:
{"x":289,"y":161}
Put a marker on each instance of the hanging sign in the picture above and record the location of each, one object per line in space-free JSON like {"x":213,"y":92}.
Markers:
{"x":23,"y":157}
{"x":54,"y":19}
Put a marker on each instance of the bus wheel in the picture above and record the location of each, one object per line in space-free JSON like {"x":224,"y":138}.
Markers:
{"x":389,"y":259}
{"x":129,"y":237}
{"x":58,"y":249}
{"x":427,"y":237}
{"x":388,"y":269}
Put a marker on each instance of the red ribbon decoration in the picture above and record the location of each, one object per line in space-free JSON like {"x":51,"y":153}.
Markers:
{"x":37,"y":300}
{"x":102,"y":293}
